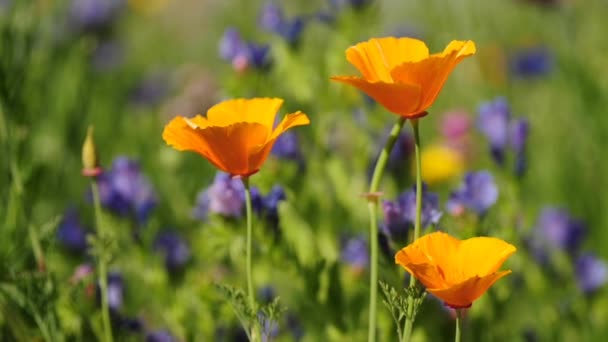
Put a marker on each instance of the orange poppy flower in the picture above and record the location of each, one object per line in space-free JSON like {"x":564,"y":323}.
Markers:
{"x":236,"y":136}
{"x":400,"y":74}
{"x":456,"y":271}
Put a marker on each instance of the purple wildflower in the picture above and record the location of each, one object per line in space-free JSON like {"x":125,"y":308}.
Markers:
{"x":242,"y":54}
{"x":125,"y":191}
{"x":174,"y":249}
{"x":287,"y":147}
{"x":130,"y":324}
{"x":493,"y":122}
{"x":477,"y":192}
{"x":518,"y":136}
{"x":270,"y":328}
{"x":591,"y":273}
{"x":160,"y":336}
{"x":226,"y":197}
{"x":259,"y":55}
{"x":556,"y":229}
{"x":266,"y":294}
{"x":231,"y":44}
{"x":532,"y":62}
{"x":354,"y":252}
{"x":115,"y":292}
{"x":95,"y":15}
{"x":273,"y":19}
{"x":400,"y":215}
{"x":257,"y":201}
{"x":295,"y":327}
{"x":271,"y":202}
{"x":71,"y":234}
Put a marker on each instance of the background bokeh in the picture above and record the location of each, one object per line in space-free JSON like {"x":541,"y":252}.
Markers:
{"x":127,"y":67}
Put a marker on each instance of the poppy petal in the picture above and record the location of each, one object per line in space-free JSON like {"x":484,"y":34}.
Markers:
{"x":486,"y":253}
{"x":180,"y":134}
{"x":464,"y":294}
{"x":437,"y":248}
{"x":431,"y":73}
{"x":260,"y":110}
{"x":234,"y":145}
{"x":399,"y":98}
{"x":376,"y":57}
{"x":289,"y":121}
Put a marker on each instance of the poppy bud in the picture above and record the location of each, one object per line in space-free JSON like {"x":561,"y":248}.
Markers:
{"x":89,"y":156}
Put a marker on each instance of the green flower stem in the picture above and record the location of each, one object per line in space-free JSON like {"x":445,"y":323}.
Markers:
{"x":248,"y":210}
{"x":255,"y":331}
{"x":409,"y":320}
{"x":457,"y":335}
{"x":373,"y":225}
{"x":102,"y":268}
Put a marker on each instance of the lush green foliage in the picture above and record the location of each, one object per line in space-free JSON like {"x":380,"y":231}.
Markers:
{"x":52,"y":88}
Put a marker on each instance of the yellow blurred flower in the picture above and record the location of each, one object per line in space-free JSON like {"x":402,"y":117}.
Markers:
{"x":455,"y":271}
{"x":441,"y":163}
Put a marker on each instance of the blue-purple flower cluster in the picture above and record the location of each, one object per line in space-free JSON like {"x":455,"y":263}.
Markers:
{"x":502,"y":131}
{"x":242,"y":54}
{"x":354,"y":252}
{"x":272,"y":19}
{"x":557,"y":231}
{"x":226,"y":197}
{"x":125,"y":191}
{"x":71,"y":234}
{"x":476,"y":193}
{"x":174,"y":250}
{"x":400,"y":214}
{"x":531,"y":62}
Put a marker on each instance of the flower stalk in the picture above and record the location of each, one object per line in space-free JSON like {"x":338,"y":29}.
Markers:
{"x":373,"y":226}
{"x":255,"y":332}
{"x":409,"y":319}
{"x":102,"y":266}
{"x":457,"y":335}
{"x":248,"y":212}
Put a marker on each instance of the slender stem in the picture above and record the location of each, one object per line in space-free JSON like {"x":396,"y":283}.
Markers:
{"x":409,"y":319}
{"x":255,"y":329}
{"x":102,"y":268}
{"x":249,"y":243}
{"x":417,"y":223}
{"x":457,"y":335}
{"x":373,"y":225}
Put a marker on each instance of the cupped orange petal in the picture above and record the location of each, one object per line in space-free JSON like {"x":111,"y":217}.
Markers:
{"x":239,"y":149}
{"x":400,"y":74}
{"x":437,"y":248}
{"x":183,"y":136}
{"x":260,"y":110}
{"x":236,"y":136}
{"x":399,"y":98}
{"x":456,"y":271}
{"x":431,"y":73}
{"x":376,"y":57}
{"x":464,"y":294}
{"x":289,"y":121}
{"x":483,"y":255}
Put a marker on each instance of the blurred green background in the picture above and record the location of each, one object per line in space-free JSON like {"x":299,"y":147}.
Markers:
{"x":127,"y":67}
